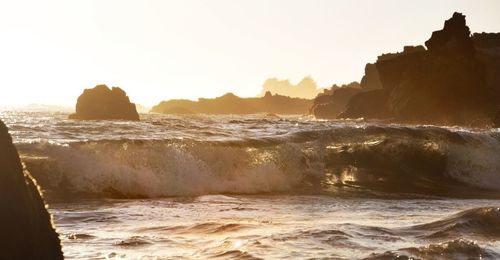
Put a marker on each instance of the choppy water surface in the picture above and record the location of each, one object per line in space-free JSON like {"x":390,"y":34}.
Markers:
{"x":234,"y":187}
{"x":280,"y":226}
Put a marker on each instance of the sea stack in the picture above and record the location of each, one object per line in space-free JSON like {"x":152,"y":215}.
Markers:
{"x":25,"y":224}
{"x":103,"y":103}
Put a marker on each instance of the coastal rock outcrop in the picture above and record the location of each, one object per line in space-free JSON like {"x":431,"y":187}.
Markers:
{"x":488,"y":52}
{"x":102,"y":103}
{"x":453,"y":39}
{"x":368,"y":105}
{"x":333,"y":102}
{"x":232,"y":104}
{"x":25,"y":222}
{"x":449,"y":83}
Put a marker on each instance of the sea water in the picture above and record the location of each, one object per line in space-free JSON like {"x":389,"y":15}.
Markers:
{"x":250,"y":187}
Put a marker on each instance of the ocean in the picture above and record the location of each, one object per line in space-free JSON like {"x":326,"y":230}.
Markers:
{"x":264,"y":187}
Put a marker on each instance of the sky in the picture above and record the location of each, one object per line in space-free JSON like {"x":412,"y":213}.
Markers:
{"x":157,"y":50}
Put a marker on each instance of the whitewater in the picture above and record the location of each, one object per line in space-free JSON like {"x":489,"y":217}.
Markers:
{"x":264,"y":186}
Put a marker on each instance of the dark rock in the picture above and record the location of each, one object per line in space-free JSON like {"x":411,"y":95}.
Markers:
{"x":444,"y":85}
{"x":332,"y":102}
{"x":232,"y":104}
{"x":368,"y":105}
{"x":450,"y":83}
{"x":488,"y":52}
{"x":453,"y":39}
{"x":406,"y":50}
{"x":329,"y":106}
{"x":25,"y":223}
{"x":389,"y":66}
{"x":102,"y":103}
{"x":371,"y":78}
{"x":486,"y":40}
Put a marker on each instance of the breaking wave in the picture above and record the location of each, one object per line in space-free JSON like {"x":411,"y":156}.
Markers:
{"x":390,"y":159}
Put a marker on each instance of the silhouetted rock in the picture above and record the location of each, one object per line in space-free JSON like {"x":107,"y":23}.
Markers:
{"x":368,"y":105}
{"x":406,"y":50}
{"x":454,"y":39}
{"x":232,"y":104}
{"x":332,"y":102}
{"x":101,"y":103}
{"x":450,"y":83}
{"x":25,"y":224}
{"x":371,"y":79}
{"x":389,"y":65}
{"x":486,"y":40}
{"x":488,"y":52}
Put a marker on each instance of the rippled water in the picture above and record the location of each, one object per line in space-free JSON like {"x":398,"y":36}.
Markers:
{"x":234,"y":187}
{"x":279,"y":226}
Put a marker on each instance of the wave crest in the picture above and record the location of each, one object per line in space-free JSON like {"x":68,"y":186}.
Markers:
{"x":151,"y":169}
{"x":390,"y":159}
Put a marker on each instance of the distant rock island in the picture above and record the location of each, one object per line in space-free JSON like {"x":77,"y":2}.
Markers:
{"x":102,"y":103}
{"x":232,"y":104}
{"x":25,"y":221}
{"x":456,"y":80}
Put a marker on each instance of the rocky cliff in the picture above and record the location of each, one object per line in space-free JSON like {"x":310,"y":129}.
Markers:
{"x":454,"y":81}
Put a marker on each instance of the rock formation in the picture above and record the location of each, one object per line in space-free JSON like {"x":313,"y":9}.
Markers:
{"x":232,"y":104}
{"x":486,"y":41}
{"x":371,"y":79}
{"x":488,"y":52}
{"x":372,"y":102}
{"x":102,"y":103}
{"x":330,"y":103}
{"x":25,"y":224}
{"x":452,"y":82}
{"x":454,"y":39}
{"x":333,"y":102}
{"x":369,"y":105}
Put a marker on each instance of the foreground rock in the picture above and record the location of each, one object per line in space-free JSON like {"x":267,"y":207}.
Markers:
{"x":25,"y":224}
{"x":455,"y":81}
{"x":102,"y":103}
{"x":232,"y":104}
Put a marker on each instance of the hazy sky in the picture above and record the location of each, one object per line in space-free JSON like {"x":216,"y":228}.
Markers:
{"x":51,"y":50}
